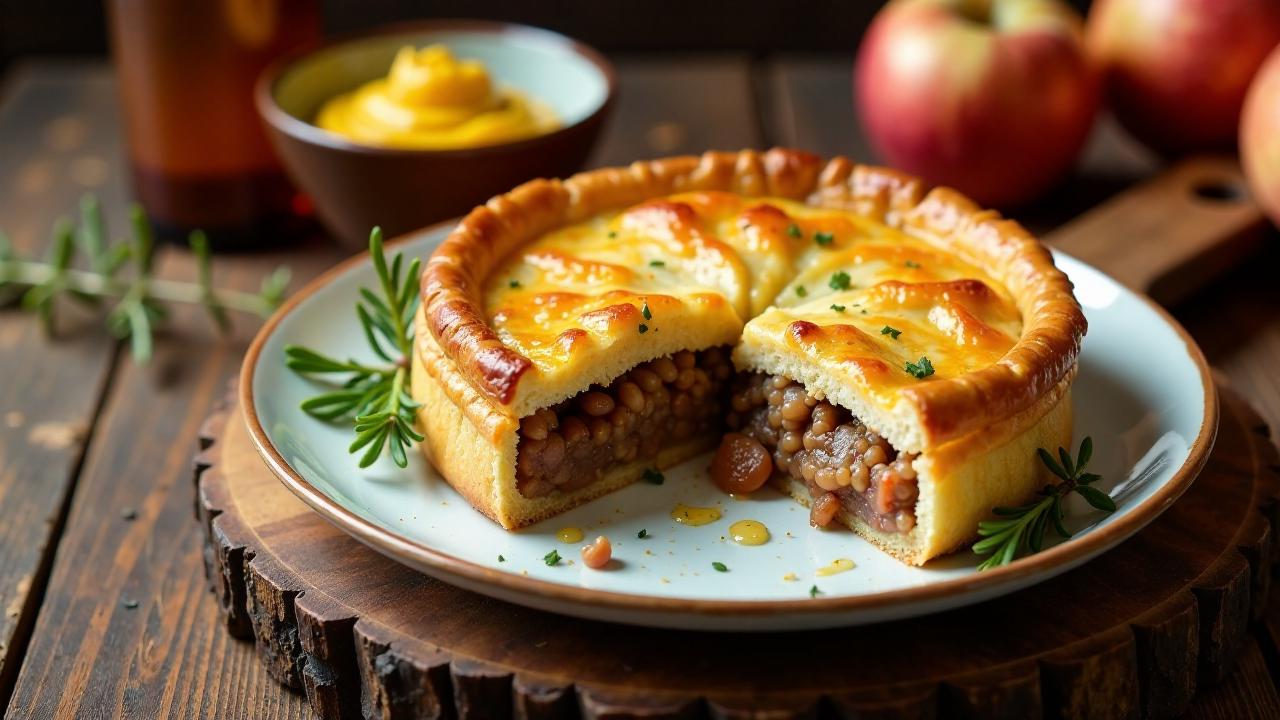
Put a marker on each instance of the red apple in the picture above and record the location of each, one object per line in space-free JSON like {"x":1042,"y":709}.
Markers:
{"x":993,"y":98}
{"x":1175,"y":72}
{"x":1260,"y":136}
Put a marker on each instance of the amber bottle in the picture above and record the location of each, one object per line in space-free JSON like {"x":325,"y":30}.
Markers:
{"x":198,"y":153}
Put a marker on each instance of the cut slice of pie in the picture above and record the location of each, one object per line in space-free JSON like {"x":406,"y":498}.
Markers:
{"x":900,"y":354}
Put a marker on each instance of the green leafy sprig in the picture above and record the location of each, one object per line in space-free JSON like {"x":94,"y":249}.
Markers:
{"x":376,"y":398}
{"x":1025,"y":526}
{"x":140,"y":299}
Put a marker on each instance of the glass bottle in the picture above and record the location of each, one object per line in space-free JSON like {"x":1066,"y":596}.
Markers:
{"x":198,"y":152}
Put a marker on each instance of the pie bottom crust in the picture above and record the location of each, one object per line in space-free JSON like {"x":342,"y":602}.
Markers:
{"x":474,"y":447}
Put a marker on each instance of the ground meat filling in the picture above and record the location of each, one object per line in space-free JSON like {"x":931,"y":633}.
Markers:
{"x":845,"y":464}
{"x":656,"y":404}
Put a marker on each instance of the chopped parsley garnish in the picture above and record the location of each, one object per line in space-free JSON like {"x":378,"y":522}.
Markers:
{"x":800,"y":291}
{"x":720,"y":567}
{"x":890,"y":331}
{"x":645,"y":312}
{"x":912,"y":264}
{"x":794,"y":230}
{"x":653,"y":476}
{"x":513,"y":284}
{"x":642,"y":534}
{"x":838,"y":308}
{"x":552,"y":558}
{"x":657,"y":263}
{"x":613,"y":234}
{"x":824,"y":238}
{"x":815,"y":592}
{"x":839,"y":281}
{"x":920,"y":369}
{"x":643,"y":328}
{"x":501,"y":559}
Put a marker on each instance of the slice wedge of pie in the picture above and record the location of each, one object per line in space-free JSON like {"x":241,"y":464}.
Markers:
{"x":893,"y":355}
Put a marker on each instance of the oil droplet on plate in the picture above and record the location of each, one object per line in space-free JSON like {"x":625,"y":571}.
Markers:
{"x":838,"y":565}
{"x":570,"y":535}
{"x":689,"y":515}
{"x":749,"y":532}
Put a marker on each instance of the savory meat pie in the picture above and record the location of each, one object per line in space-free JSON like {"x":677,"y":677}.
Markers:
{"x":897,"y":353}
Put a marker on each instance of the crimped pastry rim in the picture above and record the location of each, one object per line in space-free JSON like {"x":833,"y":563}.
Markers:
{"x":421,"y":557}
{"x":945,"y":408}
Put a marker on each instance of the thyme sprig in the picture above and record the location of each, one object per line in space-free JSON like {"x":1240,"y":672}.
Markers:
{"x":140,"y":298}
{"x":1025,"y":526}
{"x":375,"y":398}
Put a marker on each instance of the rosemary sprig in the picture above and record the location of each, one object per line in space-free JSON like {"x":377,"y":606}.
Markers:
{"x":374,"y":397}
{"x":140,"y":299}
{"x":1025,"y":525}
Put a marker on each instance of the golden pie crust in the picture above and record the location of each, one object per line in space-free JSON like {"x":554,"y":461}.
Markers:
{"x":540,"y":293}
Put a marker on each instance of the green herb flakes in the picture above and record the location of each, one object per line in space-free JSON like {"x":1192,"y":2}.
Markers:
{"x":552,"y":558}
{"x":920,"y":369}
{"x":891,"y":332}
{"x":839,"y":281}
{"x":653,"y":477}
{"x":720,"y":567}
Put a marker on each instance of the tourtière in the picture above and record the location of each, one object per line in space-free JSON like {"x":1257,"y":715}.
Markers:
{"x":891,"y":355}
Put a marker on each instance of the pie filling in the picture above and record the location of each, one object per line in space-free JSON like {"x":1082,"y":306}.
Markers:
{"x":659,"y":403}
{"x":845,"y":464}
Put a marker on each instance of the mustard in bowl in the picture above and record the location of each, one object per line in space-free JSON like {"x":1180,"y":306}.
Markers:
{"x":432,"y":100}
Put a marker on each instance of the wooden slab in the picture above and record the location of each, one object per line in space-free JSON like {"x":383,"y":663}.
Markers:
{"x":1171,"y":235}
{"x":1132,"y":633}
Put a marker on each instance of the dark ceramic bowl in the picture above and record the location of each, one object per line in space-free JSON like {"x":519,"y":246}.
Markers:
{"x":356,"y":187}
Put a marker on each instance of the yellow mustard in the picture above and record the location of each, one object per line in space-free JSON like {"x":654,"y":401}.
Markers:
{"x":569,"y":535}
{"x":433,"y":101}
{"x":838,"y":565}
{"x":749,"y":532}
{"x":690,"y":515}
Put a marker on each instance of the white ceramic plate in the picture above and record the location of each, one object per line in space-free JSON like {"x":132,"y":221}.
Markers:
{"x":1143,"y":393}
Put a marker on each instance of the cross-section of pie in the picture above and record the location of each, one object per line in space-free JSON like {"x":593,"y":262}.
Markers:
{"x":890,"y":355}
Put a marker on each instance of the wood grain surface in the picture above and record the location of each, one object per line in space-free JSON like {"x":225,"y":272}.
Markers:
{"x":52,"y":153}
{"x":1134,"y":632}
{"x":170,"y":656}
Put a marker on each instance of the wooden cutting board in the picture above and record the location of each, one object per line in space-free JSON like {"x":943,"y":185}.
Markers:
{"x":1171,"y":235}
{"x":1133,"y":633}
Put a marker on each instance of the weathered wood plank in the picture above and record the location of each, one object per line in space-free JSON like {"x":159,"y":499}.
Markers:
{"x":128,"y":628}
{"x":59,"y":141}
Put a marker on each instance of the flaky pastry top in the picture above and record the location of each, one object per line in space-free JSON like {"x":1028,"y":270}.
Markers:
{"x":919,"y":311}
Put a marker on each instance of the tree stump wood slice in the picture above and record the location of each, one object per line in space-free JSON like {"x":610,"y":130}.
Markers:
{"x":1130,"y":634}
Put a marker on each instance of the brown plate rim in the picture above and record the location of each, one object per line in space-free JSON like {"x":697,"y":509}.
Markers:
{"x":397,"y":546}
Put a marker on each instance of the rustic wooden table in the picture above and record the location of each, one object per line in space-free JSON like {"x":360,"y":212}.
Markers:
{"x":104,"y":610}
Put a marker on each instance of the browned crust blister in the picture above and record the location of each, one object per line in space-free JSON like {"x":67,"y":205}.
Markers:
{"x":947,"y":408}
